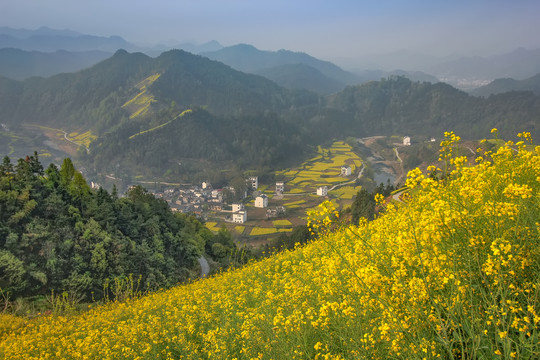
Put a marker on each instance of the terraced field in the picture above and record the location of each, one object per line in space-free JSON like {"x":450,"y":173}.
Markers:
{"x":322,"y":170}
{"x":139,"y":105}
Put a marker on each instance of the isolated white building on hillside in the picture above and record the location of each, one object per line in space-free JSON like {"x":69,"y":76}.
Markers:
{"x":261,"y":201}
{"x":280,"y":188}
{"x":322,"y":191}
{"x":407,"y":140}
{"x":346,"y":170}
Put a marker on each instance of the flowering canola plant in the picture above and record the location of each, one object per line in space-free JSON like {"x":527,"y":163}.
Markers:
{"x":452,"y":272}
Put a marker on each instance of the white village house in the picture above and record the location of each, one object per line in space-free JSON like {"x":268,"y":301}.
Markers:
{"x":346,"y":170}
{"x":253,"y":181}
{"x":237,"y":207}
{"x":407,"y":140}
{"x":322,"y":191}
{"x":239,"y":217}
{"x":261,"y":201}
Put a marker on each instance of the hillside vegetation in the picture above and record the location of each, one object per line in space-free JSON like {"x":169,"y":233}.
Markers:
{"x":398,"y":105}
{"x":57,"y":234}
{"x":452,"y":272}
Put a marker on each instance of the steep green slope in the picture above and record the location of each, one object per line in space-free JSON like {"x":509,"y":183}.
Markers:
{"x":450,"y":273}
{"x":93,"y":98}
{"x":90,"y":98}
{"x":199,"y":141}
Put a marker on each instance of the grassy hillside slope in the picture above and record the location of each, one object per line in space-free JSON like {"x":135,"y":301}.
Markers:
{"x":452,"y":272}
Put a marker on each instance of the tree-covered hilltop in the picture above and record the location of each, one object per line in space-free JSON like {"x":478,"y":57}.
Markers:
{"x":398,"y":105}
{"x":94,"y":98}
{"x":197,"y":141}
{"x":56,"y":233}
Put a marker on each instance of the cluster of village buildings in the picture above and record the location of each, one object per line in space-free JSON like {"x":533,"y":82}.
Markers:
{"x":201,"y":199}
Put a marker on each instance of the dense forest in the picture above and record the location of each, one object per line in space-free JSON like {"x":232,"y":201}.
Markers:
{"x":56,"y":234}
{"x":178,"y":147}
{"x":398,"y":105}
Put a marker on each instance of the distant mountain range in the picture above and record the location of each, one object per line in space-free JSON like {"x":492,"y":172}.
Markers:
{"x":45,"y":52}
{"x":518,"y":64}
{"x":249,"y":59}
{"x":500,"y":86}
{"x":20,"y":64}
{"x":464,"y":72}
{"x":300,"y":70}
{"x":49,"y":40}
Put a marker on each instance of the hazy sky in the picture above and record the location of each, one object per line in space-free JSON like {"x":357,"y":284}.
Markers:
{"x":326,"y":29}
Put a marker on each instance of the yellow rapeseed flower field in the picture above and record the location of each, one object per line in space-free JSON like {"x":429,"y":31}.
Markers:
{"x":451,"y":273}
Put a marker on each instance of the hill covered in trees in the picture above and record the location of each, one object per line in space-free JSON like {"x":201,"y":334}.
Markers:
{"x":57,"y":234}
{"x":197,"y":141}
{"x":398,"y":105}
{"x":93,"y":98}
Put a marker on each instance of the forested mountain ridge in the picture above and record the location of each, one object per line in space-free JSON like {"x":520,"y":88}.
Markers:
{"x":57,"y":234}
{"x":296,"y":76}
{"x":199,"y":142}
{"x":247,"y":58}
{"x":20,"y":64}
{"x":93,"y":98}
{"x":398,"y":105}
{"x":282,"y":66}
